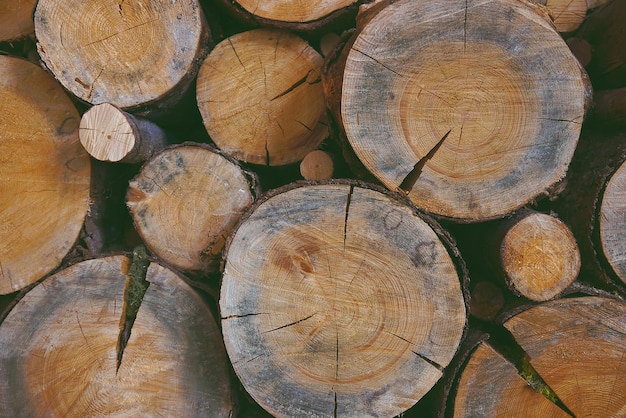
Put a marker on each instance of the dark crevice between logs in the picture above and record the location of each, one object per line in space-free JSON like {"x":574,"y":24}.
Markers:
{"x":134,"y":291}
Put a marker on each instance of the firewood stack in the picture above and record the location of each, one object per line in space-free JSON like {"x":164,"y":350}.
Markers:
{"x":339,"y":208}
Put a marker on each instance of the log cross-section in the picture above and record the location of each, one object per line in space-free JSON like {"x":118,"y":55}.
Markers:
{"x":576,"y":346}
{"x":261,"y":99}
{"x":484,"y":70}
{"x":185,"y":201}
{"x":128,"y":53}
{"x":342,"y":295}
{"x":59,"y":348}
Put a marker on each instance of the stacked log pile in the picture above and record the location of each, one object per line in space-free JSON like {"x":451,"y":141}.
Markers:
{"x":340,"y":208}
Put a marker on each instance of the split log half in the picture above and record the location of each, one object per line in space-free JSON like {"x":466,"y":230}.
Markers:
{"x":185,"y":201}
{"x":575,"y":345}
{"x":339,"y":300}
{"x":128,"y":53}
{"x":45,"y":174}
{"x":60,"y":348}
{"x":538,"y":255}
{"x":454,"y":102}
{"x":110,"y":134}
{"x":612,"y":222}
{"x":16,"y":19}
{"x":261,"y":99}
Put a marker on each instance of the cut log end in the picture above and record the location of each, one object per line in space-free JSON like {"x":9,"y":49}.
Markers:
{"x":612,"y":222}
{"x":45,"y":175}
{"x":16,"y":19}
{"x":60,"y":339}
{"x":109,"y":134}
{"x":539,"y":257}
{"x":415,"y":73}
{"x":194,"y":186}
{"x":317,"y":165}
{"x":252,"y":113}
{"x":294,"y":11}
{"x":568,"y":343}
{"x":130,"y":54}
{"x":306,"y":307}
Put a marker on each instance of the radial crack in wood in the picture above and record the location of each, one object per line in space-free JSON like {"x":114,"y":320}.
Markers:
{"x":503,"y":342}
{"x":411,"y":178}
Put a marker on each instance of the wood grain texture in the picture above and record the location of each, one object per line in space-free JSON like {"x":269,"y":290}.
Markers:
{"x":485,"y":70}
{"x":612,"y":222}
{"x":539,"y":256}
{"x":293,"y":10}
{"x":127,"y":53}
{"x":576,"y":345}
{"x":567,"y":15}
{"x":59,"y":355}
{"x":185,"y":201}
{"x":45,"y":174}
{"x":337,"y":300}
{"x":260,"y":96}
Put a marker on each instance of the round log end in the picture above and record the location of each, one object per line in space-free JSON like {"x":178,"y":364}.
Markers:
{"x":612,"y":222}
{"x":16,"y":19}
{"x":129,"y":54}
{"x":194,"y":186}
{"x":317,"y":165}
{"x":342,"y":295}
{"x":60,"y":345}
{"x":574,"y":346}
{"x":293,"y":11}
{"x":455,"y":104}
{"x":260,"y":96}
{"x":539,"y":256}
{"x":106,"y":133}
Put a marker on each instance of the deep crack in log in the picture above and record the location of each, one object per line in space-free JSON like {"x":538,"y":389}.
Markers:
{"x":135,"y":289}
{"x":503,"y":342}
{"x":410,"y":179}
